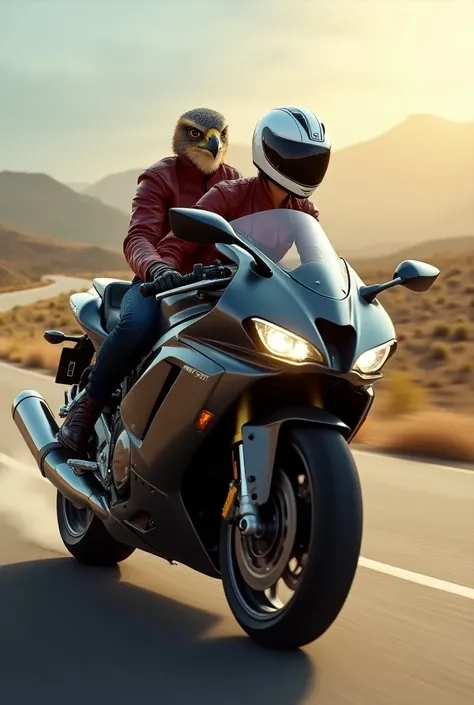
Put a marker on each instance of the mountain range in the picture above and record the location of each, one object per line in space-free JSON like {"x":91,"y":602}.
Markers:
{"x":36,"y":203}
{"x":24,"y":259}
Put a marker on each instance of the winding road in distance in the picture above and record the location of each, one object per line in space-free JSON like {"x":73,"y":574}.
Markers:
{"x":60,"y":285}
{"x":164,"y":634}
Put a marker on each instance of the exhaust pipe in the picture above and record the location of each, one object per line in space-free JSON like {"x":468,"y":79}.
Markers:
{"x":38,"y":427}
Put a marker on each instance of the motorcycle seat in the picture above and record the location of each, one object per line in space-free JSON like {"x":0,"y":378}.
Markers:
{"x":111,"y":291}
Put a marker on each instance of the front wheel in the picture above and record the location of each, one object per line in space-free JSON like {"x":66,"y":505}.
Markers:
{"x":286,"y":586}
{"x":85,"y":536}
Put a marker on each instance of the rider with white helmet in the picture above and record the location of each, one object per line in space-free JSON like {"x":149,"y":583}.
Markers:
{"x":291,"y":151}
{"x":291,"y":148}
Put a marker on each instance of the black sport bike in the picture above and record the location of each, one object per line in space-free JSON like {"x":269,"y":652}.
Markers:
{"x":227,"y":449}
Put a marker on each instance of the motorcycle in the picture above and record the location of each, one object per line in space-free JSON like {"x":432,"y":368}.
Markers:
{"x":228,"y":448}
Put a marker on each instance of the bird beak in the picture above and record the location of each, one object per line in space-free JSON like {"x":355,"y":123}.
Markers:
{"x":213,"y":145}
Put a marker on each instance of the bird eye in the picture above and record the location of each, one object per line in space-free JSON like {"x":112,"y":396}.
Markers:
{"x":224,"y":133}
{"x":195,"y":134}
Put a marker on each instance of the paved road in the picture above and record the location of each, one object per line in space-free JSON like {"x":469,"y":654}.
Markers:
{"x":75,"y":635}
{"x":60,"y":285}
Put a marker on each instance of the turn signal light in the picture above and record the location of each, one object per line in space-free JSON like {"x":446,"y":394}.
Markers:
{"x":204,"y":419}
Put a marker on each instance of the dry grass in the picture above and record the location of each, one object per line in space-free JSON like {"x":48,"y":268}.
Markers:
{"x":444,"y":435}
{"x":435,"y":330}
{"x":402,"y":395}
{"x":22,"y":328}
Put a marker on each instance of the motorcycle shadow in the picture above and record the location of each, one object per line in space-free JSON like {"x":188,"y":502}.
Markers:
{"x":75,"y":635}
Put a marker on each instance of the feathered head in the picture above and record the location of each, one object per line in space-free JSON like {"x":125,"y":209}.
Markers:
{"x":201,"y":136}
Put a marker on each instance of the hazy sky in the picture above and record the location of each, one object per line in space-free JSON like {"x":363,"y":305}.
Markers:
{"x":88,"y":87}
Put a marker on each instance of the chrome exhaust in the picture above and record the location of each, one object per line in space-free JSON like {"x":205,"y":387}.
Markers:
{"x":38,"y":427}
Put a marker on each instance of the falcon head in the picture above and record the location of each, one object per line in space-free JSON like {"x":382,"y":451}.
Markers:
{"x":201,"y":136}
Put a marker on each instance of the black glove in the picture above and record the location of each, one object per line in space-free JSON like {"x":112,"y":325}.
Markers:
{"x":164,"y":277}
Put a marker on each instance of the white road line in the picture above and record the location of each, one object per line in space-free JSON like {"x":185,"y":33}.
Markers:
{"x":418,"y":578}
{"x":385,"y":568}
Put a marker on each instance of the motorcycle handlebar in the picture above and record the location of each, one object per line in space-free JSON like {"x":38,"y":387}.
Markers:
{"x":198,"y":274}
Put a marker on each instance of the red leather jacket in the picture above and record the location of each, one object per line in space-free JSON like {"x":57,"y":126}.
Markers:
{"x":171,"y":182}
{"x":231,"y":200}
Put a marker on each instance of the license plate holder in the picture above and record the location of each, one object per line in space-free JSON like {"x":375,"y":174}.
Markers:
{"x":72,"y":363}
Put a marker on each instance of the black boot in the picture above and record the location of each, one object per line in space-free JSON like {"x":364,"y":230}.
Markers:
{"x":79,"y":425}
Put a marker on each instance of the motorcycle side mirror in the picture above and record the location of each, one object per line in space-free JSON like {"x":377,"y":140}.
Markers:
{"x":201,"y":227}
{"x":206,"y":228}
{"x":416,"y":276}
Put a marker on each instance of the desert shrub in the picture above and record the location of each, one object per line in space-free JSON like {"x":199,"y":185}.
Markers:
{"x":461,"y":332}
{"x":404,"y":395}
{"x":455,"y":272}
{"x":436,"y":434}
{"x":441,"y":330}
{"x":39,"y":317}
{"x":439,"y":351}
{"x":33,"y":358}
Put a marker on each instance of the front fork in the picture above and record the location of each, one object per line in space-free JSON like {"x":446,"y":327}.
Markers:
{"x":247,"y":513}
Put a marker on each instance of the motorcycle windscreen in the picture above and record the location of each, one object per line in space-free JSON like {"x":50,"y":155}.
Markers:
{"x":297,"y":243}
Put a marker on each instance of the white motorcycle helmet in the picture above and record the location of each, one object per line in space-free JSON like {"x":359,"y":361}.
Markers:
{"x":291,"y":148}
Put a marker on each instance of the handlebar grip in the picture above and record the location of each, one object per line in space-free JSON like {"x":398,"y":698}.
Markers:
{"x":198,"y":274}
{"x":195,"y":276}
{"x":150,"y":289}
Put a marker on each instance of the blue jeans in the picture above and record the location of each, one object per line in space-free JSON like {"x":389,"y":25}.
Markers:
{"x":132,"y":339}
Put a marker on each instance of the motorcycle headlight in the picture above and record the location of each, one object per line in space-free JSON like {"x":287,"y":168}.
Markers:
{"x":283,"y":344}
{"x":374,"y":359}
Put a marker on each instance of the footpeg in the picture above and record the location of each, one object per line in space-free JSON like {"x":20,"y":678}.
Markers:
{"x":82,"y":467}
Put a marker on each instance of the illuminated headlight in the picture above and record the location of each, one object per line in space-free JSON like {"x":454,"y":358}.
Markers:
{"x":373,"y":360}
{"x":288,"y":346}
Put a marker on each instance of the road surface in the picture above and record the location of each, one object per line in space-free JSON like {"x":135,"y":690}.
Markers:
{"x":60,"y":285}
{"x":164,"y":634}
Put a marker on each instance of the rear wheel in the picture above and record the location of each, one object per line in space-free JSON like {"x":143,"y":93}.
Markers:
{"x":286,"y":586}
{"x":85,"y":536}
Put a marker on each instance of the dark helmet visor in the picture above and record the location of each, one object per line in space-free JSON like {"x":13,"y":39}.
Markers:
{"x":305,"y":164}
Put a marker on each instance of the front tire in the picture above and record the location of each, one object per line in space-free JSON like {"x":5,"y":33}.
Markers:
{"x":316,"y":526}
{"x":85,"y":536}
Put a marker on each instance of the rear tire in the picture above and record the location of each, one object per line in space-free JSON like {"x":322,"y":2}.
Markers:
{"x":332,"y":536}
{"x":86,"y":538}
